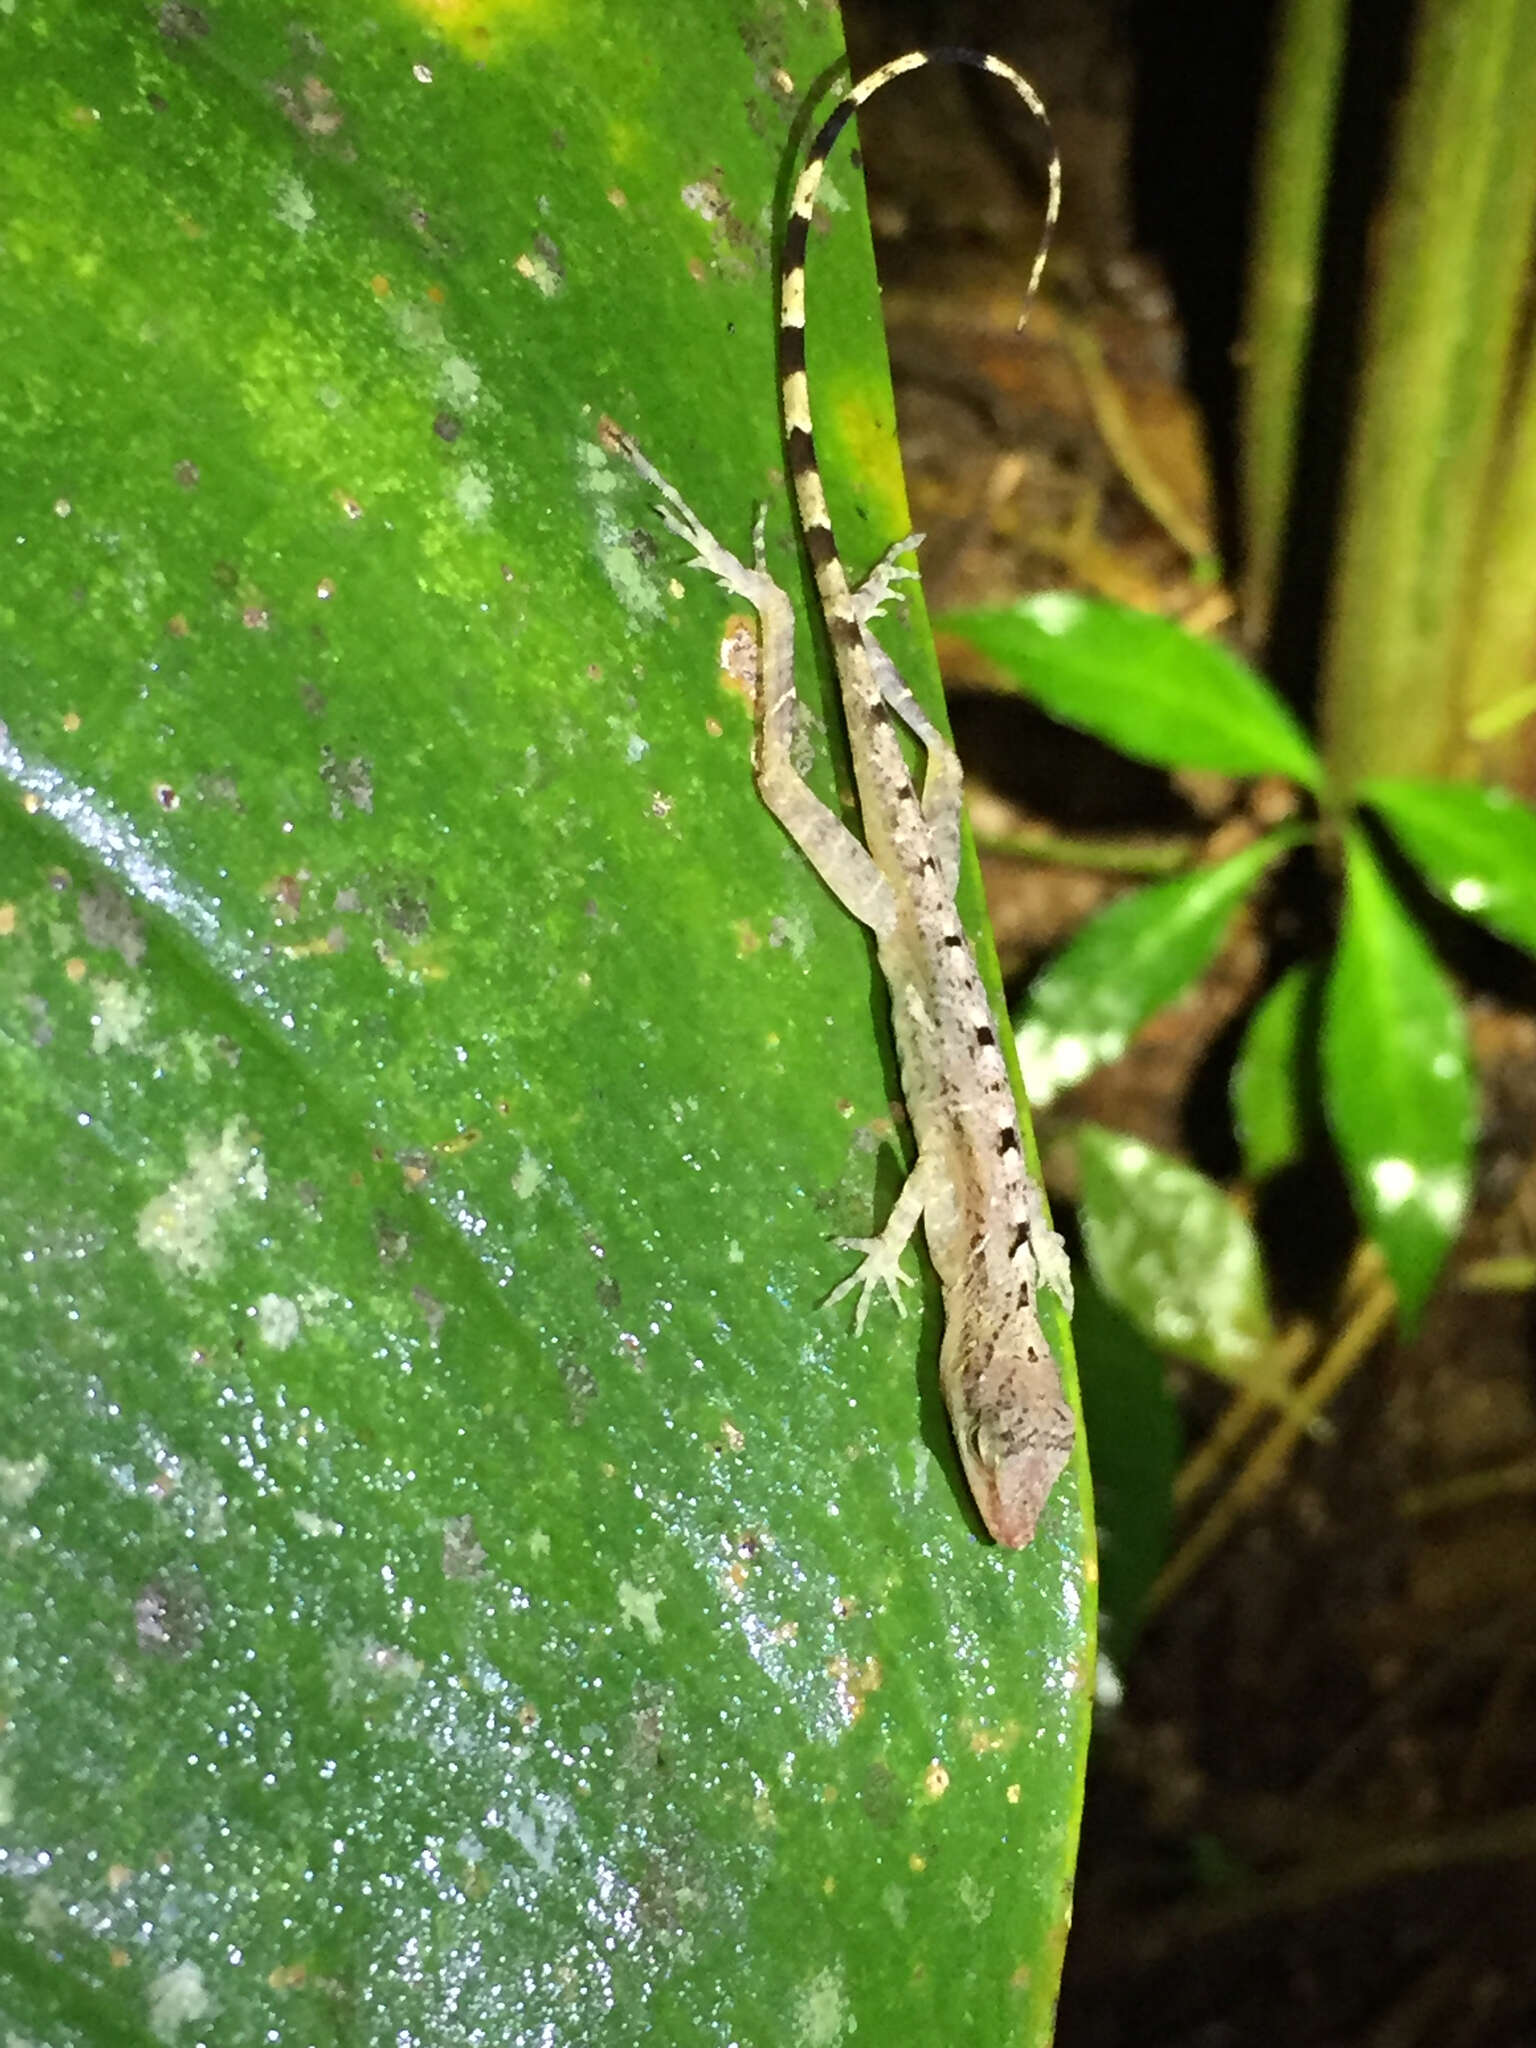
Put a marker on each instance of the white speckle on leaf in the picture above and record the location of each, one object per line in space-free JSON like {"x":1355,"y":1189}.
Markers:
{"x":19,"y":1480}
{"x":45,"y":1913}
{"x":315,"y":1525}
{"x":458,"y":381}
{"x":278,"y":1321}
{"x":364,"y":1672}
{"x":472,"y":493}
{"x":182,"y":1224}
{"x":706,"y":200}
{"x":292,"y":204}
{"x":975,"y":1899}
{"x":119,"y":1016}
{"x":822,"y":2015}
{"x":176,"y":1996}
{"x":638,"y":1608}
{"x":540,"y":273}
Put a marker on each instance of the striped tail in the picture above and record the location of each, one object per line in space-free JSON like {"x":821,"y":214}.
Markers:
{"x":800,"y":441}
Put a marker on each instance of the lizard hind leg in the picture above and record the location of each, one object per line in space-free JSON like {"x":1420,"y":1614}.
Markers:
{"x":942,"y":781}
{"x":881,"y":1264}
{"x":880,"y":1267}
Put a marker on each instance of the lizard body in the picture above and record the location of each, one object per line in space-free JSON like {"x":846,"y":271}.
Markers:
{"x":982,"y":1210}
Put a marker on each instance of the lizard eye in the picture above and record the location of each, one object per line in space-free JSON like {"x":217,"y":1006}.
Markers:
{"x":981,"y":1440}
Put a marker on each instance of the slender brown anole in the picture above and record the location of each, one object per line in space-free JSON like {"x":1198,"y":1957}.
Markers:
{"x":982,"y":1210}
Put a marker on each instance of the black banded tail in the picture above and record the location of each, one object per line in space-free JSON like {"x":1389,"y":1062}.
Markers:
{"x":794,"y":393}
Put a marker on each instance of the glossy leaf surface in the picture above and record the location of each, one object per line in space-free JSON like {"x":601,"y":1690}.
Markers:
{"x":1141,"y":683}
{"x":1397,"y":1082}
{"x":1267,"y":1102}
{"x":458,"y":1587}
{"x":1125,"y":964}
{"x":1173,"y":1252}
{"x":1475,"y":847}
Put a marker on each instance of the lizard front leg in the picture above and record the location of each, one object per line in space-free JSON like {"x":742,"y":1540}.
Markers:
{"x":840,"y":859}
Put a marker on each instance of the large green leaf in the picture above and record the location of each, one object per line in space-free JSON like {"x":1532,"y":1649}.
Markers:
{"x":458,"y":1586}
{"x":1143,"y":684}
{"x":1397,"y":1081}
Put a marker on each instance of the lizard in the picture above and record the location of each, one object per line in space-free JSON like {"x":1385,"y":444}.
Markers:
{"x":982,"y":1209}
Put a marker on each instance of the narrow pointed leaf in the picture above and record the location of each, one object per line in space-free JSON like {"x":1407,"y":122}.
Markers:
{"x":1397,"y":1082}
{"x":1141,"y":683}
{"x":1174,"y":1254}
{"x":1126,"y":963}
{"x":1475,"y":847}
{"x":1267,"y":1080}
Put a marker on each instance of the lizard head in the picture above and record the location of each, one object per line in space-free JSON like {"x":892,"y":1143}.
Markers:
{"x":1012,"y":1424}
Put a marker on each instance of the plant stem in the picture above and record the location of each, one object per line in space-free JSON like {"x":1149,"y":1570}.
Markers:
{"x":1451,"y":267}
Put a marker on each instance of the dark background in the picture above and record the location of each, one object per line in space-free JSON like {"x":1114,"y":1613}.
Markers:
{"x":1311,"y":1814}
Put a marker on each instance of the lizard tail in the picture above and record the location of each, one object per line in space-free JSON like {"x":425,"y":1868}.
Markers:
{"x":799,"y":438}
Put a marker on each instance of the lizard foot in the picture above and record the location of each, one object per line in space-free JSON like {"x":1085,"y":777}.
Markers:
{"x":881,"y":1267}
{"x":679,"y":517}
{"x":879,"y":586}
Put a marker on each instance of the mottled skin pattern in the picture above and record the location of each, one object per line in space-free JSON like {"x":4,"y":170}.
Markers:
{"x":981,"y":1209}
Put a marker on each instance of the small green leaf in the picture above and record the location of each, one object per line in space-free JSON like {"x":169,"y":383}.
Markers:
{"x":1132,"y":1422}
{"x":1143,"y":684}
{"x":1267,"y":1080}
{"x":1127,"y":963}
{"x":1475,"y":847}
{"x":1173,"y":1252}
{"x":1397,"y":1083}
